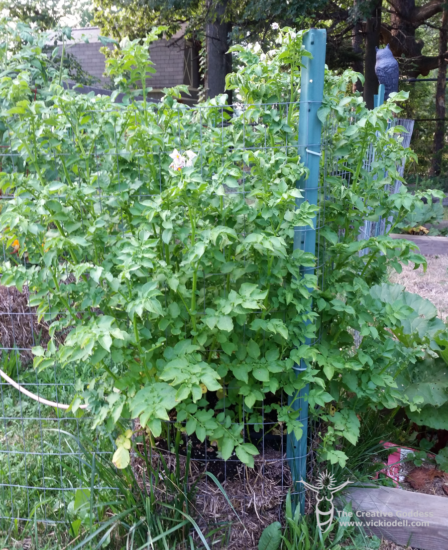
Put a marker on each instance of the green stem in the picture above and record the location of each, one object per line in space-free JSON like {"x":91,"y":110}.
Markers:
{"x":291,"y":96}
{"x":266,"y":300}
{"x":193,"y":299}
{"x":372,"y":256}
{"x":78,"y":140}
{"x":136,"y":335}
{"x":210,"y":353}
{"x":184,"y":302}
{"x":63,"y":300}
{"x":72,"y":254}
{"x":114,"y":376}
{"x":360,"y":162}
{"x":62,"y":61}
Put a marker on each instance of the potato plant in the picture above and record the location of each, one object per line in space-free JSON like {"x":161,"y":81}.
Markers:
{"x":399,"y":336}
{"x":157,"y":243}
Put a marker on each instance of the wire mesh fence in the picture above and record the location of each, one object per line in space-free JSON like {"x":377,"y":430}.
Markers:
{"x":105,"y":171}
{"x":332,"y":167}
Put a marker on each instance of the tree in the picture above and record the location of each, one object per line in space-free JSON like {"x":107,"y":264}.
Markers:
{"x":401,"y":34}
{"x":217,"y":23}
{"x":365,"y":24}
{"x":357,"y":42}
{"x":439,"y":135}
{"x":48,"y":14}
{"x":372,"y":41}
{"x":219,"y":62}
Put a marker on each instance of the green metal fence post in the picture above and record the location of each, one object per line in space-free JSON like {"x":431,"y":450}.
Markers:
{"x":309,"y":147}
{"x":378,"y":99}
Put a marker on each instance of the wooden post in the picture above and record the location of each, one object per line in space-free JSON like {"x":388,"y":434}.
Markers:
{"x":403,"y":517}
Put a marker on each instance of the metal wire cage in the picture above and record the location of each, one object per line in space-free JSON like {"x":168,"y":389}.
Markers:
{"x":42,"y":458}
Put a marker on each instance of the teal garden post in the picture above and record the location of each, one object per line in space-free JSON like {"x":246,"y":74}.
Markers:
{"x":309,"y":149}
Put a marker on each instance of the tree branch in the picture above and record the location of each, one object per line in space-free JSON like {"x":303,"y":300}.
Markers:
{"x":420,"y":14}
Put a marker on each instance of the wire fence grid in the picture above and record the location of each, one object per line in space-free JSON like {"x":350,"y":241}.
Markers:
{"x":41,"y":448}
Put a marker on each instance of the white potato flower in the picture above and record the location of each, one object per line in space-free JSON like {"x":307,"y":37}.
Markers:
{"x":181,"y":161}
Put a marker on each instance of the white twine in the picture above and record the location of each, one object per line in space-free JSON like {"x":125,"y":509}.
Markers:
{"x":34,"y":396}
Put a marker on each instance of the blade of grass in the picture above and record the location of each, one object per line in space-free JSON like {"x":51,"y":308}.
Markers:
{"x":105,"y":537}
{"x":131,"y":535}
{"x":105,"y":525}
{"x":191,"y":520}
{"x":221,"y":488}
{"x":159,"y":525}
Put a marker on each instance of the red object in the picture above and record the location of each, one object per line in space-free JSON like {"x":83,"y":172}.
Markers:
{"x":395,"y":460}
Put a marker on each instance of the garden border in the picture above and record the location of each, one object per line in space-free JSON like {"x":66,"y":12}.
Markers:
{"x":429,"y":246}
{"x":393,"y":505}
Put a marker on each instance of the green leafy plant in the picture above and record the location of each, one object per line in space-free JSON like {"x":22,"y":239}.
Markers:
{"x":271,"y":537}
{"x":301,"y":532}
{"x":171,"y":275}
{"x":442,"y":459}
{"x":361,"y":374}
{"x":431,"y":212}
{"x":424,"y":380}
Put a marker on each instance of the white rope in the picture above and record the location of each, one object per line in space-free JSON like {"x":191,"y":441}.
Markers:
{"x":34,"y":396}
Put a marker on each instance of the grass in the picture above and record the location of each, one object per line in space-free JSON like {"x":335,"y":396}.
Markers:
{"x":39,"y":463}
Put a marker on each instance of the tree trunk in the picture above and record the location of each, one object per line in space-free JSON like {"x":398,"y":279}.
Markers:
{"x":402,"y":39}
{"x":219,"y":63}
{"x":406,"y":18}
{"x":439,"y":135}
{"x":373,"y":26}
{"x":357,"y":40}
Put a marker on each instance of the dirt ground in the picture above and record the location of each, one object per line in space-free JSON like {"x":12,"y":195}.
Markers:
{"x":432,"y":285}
{"x":386,"y":545}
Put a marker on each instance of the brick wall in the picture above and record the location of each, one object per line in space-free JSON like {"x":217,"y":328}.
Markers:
{"x":167,"y":56}
{"x":90,"y":59}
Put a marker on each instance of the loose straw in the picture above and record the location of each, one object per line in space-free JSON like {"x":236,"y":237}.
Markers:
{"x":34,"y":396}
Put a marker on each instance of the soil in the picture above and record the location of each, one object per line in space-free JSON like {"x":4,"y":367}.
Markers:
{"x":426,"y":479}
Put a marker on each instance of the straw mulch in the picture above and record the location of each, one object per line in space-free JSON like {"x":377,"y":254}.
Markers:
{"x":432,"y":285}
{"x":256,"y":494}
{"x":19,"y":326}
{"x":387,"y":545}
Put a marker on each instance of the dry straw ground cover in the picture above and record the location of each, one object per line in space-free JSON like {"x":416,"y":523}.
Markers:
{"x":432,"y":284}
